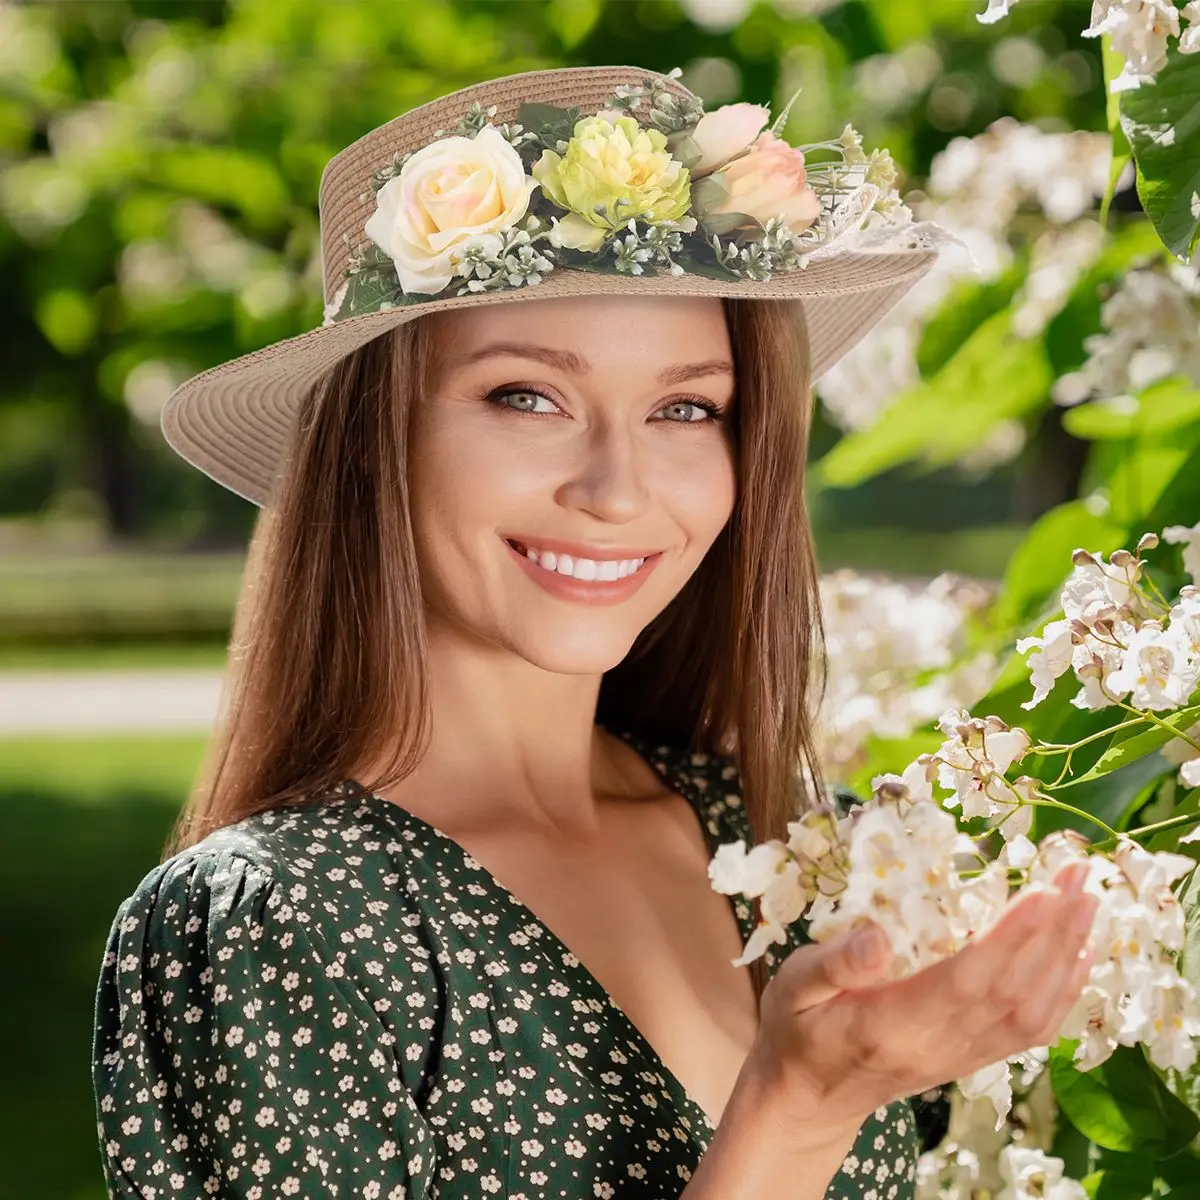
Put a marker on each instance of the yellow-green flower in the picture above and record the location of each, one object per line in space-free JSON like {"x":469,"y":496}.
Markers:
{"x":606,"y":162}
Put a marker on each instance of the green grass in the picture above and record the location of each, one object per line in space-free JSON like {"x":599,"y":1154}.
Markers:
{"x":93,"y":596}
{"x":83,"y":821}
{"x":113,"y":655}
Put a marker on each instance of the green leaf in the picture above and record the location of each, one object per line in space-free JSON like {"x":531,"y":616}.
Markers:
{"x":966,"y":307}
{"x":1182,"y":1175}
{"x":551,"y":123}
{"x":1114,"y":798}
{"x":373,"y":287}
{"x":723,"y":224}
{"x":1136,"y":743}
{"x":994,"y":376}
{"x":225,"y":176}
{"x":685,"y":149}
{"x":708,"y":192}
{"x":1114,"y":63}
{"x":1122,"y":1104}
{"x":1162,"y":407}
{"x":1161,"y":119}
{"x":1121,"y":1177}
{"x":1176,"y":503}
{"x":1042,"y":562}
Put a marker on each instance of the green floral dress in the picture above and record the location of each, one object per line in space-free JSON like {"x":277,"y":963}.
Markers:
{"x":337,"y":1000}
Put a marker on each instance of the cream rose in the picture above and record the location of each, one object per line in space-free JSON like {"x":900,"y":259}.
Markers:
{"x":769,"y":181}
{"x":448,"y":192}
{"x":724,"y":132}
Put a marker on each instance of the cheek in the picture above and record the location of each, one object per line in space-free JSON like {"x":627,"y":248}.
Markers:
{"x":700,"y":493}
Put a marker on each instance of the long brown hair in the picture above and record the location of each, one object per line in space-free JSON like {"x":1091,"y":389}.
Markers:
{"x":327,"y":664}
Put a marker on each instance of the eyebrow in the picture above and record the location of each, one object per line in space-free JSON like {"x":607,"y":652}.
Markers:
{"x":571,"y":363}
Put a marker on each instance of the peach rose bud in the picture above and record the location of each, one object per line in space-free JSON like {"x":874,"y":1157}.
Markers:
{"x":724,"y":132}
{"x":770,"y":181}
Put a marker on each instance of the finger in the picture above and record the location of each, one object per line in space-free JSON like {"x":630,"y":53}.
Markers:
{"x":1038,"y":987}
{"x":1069,"y":977}
{"x":852,"y":960}
{"x":969,"y":978}
{"x":1056,"y":941}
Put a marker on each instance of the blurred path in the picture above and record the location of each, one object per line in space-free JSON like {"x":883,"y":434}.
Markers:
{"x":129,"y":701}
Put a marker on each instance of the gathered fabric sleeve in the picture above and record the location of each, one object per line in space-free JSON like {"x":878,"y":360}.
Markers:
{"x":235,"y":1057}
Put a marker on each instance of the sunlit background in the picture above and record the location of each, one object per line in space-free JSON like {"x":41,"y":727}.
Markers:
{"x":159,"y":164}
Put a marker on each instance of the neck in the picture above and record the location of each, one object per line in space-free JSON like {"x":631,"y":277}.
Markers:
{"x":514,"y":746}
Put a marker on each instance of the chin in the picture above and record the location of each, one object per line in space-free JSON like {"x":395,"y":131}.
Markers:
{"x":582,"y":650}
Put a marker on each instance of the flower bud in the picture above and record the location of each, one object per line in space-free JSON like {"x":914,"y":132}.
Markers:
{"x":1148,"y":541}
{"x":1082,"y":558}
{"x":1120,"y":558}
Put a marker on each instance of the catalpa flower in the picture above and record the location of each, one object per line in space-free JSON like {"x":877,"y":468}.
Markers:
{"x":1189,"y":538}
{"x":1032,"y":1175}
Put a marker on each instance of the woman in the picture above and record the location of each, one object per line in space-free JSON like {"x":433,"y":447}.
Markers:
{"x":527,"y":633}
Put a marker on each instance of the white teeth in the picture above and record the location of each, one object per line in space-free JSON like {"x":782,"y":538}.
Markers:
{"x":588,"y":569}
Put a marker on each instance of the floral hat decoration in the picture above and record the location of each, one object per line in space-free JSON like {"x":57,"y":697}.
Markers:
{"x":567,"y":182}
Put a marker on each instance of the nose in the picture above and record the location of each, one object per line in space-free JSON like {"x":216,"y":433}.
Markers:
{"x":607,"y":479}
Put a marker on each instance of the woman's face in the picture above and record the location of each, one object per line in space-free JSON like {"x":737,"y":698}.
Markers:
{"x":591,"y":432}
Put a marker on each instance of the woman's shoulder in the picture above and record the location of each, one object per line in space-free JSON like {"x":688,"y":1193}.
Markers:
{"x":320,"y":863}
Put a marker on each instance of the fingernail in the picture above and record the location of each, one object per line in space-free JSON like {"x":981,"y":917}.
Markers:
{"x":866,"y":948}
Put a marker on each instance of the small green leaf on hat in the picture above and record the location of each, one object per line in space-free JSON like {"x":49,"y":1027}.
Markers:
{"x":731,"y":222}
{"x":708,"y":193}
{"x":368,"y":290}
{"x":550,"y":123}
{"x":685,"y":149}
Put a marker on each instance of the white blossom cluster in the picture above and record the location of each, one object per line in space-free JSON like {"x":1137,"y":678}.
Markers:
{"x":1033,"y":1175}
{"x":507,"y":259}
{"x":1151,"y":331}
{"x":967,"y":1163}
{"x":898,"y":655}
{"x":1124,"y":642}
{"x":901,"y":862}
{"x":976,"y":188}
{"x":1135,"y":993}
{"x":1140,"y":31}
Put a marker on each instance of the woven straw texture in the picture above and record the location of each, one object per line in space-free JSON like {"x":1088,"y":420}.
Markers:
{"x":234,"y":421}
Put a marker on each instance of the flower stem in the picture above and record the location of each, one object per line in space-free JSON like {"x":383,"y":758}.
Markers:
{"x":1156,"y":720}
{"x":1078,"y":812}
{"x":1158,"y":826}
{"x":1060,"y":747}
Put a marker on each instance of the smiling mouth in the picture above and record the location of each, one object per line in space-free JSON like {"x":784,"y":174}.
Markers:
{"x":589,"y":570}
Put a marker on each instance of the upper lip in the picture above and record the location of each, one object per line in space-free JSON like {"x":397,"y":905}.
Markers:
{"x":579,"y":549}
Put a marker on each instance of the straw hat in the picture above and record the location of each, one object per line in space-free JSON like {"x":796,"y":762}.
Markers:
{"x":234,"y":421}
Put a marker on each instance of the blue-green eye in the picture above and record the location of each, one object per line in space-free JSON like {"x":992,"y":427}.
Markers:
{"x":690,"y":410}
{"x":529,"y":398}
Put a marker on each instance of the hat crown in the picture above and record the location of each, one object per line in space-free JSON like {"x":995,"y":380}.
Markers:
{"x":346,"y":200}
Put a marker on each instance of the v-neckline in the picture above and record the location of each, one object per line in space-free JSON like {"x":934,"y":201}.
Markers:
{"x":679,"y":781}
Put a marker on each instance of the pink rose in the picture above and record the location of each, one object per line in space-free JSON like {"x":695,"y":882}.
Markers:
{"x":724,"y":132}
{"x":769,"y":181}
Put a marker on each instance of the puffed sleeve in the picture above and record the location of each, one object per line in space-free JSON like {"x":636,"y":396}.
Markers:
{"x":234,"y":1056}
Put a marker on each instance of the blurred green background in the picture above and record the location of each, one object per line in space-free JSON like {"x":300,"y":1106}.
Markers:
{"x":159,"y":164}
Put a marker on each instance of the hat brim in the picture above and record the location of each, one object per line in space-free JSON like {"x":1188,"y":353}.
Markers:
{"x":234,"y":422}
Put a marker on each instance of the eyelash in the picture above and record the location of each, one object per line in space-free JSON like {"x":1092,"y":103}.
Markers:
{"x":495,"y":398}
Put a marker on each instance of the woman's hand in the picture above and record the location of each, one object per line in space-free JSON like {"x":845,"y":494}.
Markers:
{"x":835,"y":1042}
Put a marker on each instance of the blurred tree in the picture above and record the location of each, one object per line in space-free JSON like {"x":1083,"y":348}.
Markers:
{"x":160,"y":159}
